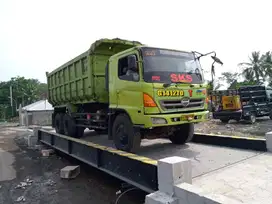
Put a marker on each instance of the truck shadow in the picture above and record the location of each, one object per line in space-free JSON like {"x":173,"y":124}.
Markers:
{"x":162,"y":150}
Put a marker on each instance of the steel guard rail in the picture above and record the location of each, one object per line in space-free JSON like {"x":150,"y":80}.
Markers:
{"x":136,"y":170}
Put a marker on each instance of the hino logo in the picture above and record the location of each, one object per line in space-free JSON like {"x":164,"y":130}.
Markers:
{"x":185,"y":102}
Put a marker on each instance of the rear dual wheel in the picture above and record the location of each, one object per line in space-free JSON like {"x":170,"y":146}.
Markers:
{"x":66,"y":124}
{"x":70,"y":127}
{"x":59,"y":123}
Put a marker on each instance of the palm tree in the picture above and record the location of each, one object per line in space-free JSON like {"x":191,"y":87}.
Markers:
{"x":267,"y":64}
{"x":253,"y":70}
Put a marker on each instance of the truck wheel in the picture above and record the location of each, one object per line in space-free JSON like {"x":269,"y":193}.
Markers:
{"x":252,"y":118}
{"x":183,"y":134}
{"x":69,"y":125}
{"x":124,"y":135}
{"x":59,"y":123}
{"x":225,"y":120}
{"x":79,"y":132}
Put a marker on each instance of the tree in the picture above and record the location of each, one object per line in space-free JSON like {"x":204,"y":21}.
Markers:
{"x":24,"y":91}
{"x":259,"y":68}
{"x":214,"y":86}
{"x":230,"y":78}
{"x":267,"y":66}
{"x":253,"y":71}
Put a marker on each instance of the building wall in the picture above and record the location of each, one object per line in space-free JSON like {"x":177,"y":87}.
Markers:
{"x":43,"y":118}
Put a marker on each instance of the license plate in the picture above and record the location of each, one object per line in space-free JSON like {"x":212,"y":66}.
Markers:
{"x":171,"y":93}
{"x":229,"y":105}
{"x":187,"y":117}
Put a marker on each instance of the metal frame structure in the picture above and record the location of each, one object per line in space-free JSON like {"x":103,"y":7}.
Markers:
{"x":133,"y":169}
{"x":138,"y":171}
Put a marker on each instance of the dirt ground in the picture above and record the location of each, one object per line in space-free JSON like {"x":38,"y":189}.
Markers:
{"x":233,"y":128}
{"x":20,"y":165}
{"x":27,"y":177}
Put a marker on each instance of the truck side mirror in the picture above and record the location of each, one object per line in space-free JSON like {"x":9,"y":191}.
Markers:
{"x":132,"y":63}
{"x":217,"y":60}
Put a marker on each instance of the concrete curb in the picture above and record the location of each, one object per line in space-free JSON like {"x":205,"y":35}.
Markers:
{"x":175,"y":178}
{"x":257,"y":144}
{"x":175,"y":173}
{"x":32,"y":139}
{"x":268,"y":138}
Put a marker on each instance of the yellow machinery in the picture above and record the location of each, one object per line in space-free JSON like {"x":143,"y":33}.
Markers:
{"x":244,"y":103}
{"x":231,"y":102}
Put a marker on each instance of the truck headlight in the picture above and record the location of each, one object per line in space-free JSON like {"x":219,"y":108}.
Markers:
{"x":158,"y":121}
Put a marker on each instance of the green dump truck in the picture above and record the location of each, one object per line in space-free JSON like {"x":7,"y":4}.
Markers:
{"x":130,"y":91}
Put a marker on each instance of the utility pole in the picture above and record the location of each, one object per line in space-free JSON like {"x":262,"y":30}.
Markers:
{"x":11,"y":100}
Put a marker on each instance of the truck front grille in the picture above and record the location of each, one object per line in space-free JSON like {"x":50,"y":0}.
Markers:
{"x":177,"y":104}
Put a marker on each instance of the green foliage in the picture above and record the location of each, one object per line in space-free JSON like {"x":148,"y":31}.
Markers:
{"x":24,"y":91}
{"x":214,"y":86}
{"x":256,"y":71}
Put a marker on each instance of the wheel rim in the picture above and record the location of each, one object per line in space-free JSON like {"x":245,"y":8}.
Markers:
{"x":253,"y":118}
{"x":122,"y":135}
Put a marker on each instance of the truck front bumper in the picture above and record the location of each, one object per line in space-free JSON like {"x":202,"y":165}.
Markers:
{"x":174,"y":119}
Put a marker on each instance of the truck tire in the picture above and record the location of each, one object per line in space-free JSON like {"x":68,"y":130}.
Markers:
{"x":183,"y":134}
{"x":59,"y":123}
{"x":251,"y":119}
{"x":79,"y":132}
{"x":270,"y":115}
{"x":70,"y":128}
{"x":69,"y":125}
{"x":125,"y":137}
{"x":225,"y":120}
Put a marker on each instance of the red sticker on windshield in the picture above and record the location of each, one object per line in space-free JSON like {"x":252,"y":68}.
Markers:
{"x":181,"y":78}
{"x":156,"y":78}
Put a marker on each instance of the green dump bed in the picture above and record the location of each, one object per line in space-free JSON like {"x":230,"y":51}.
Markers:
{"x":82,"y":79}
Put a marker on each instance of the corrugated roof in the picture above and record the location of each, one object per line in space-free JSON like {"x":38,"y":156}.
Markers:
{"x":41,"y":105}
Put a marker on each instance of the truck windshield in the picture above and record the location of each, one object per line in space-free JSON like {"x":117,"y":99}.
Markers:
{"x":166,"y":66}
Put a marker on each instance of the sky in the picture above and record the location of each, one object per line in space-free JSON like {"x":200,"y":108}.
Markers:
{"x":38,"y":36}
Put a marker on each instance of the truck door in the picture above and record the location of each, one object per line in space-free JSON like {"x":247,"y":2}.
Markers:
{"x":129,"y":96}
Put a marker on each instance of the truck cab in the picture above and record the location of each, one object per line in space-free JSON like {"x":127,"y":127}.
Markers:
{"x":158,"y":92}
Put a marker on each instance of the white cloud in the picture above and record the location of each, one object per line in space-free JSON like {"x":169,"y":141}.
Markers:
{"x":38,"y":36}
